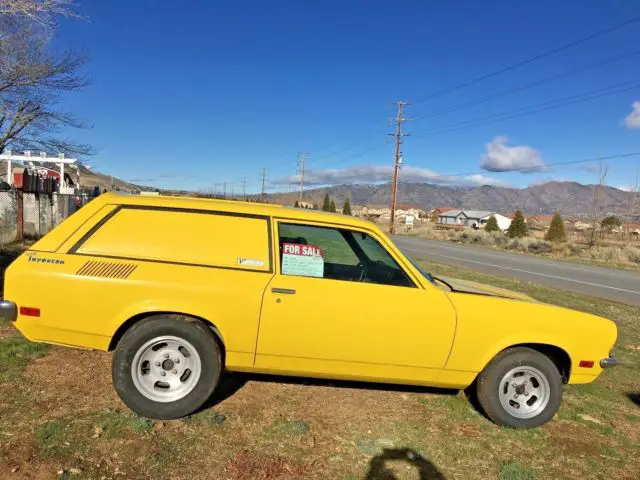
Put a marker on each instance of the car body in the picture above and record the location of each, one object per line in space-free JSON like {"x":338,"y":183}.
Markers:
{"x":282,"y":291}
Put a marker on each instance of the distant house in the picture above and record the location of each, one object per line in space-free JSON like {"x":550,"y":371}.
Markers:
{"x":581,"y":225}
{"x":374,"y":211}
{"x":632,"y":228}
{"x":538,"y":222}
{"x":384,"y":212}
{"x":472,"y":218}
{"x":436,"y":212}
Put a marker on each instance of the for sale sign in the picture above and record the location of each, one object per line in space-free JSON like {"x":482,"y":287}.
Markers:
{"x":303,"y":260}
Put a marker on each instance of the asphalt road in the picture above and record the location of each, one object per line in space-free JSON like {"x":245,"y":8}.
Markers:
{"x":609,"y":283}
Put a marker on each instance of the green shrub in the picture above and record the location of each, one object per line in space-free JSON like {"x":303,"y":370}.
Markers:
{"x":346,"y":208}
{"x":518,"y":227}
{"x":492,"y":225}
{"x":326,"y":204}
{"x":556,"y":230}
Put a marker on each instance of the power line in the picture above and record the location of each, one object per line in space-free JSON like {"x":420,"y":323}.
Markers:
{"x":527,"y":61}
{"x":499,"y":72}
{"x":545,"y":80}
{"x":519,"y":112}
{"x":532,"y":109}
{"x":513,"y":67}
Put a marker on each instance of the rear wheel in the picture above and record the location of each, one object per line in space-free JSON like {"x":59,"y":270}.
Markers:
{"x":520,"y":388}
{"x":166,"y":367}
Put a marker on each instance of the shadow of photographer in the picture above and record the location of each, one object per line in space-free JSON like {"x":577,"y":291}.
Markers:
{"x":379,"y":466}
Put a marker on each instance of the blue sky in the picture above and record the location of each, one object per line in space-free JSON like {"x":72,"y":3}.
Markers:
{"x":194,"y":93}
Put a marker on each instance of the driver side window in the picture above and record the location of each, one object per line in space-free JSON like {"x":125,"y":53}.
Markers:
{"x":338,"y":254}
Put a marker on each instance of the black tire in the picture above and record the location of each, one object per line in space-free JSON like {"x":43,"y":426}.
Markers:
{"x":489,"y":382}
{"x":193,"y":331}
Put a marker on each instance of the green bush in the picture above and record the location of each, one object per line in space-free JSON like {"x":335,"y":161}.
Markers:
{"x":556,"y":230}
{"x":518,"y":227}
{"x":346,"y":208}
{"x":326,"y":204}
{"x":492,"y":225}
{"x":610,"y":222}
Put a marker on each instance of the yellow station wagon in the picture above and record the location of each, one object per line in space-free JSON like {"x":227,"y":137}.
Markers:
{"x":181,"y":289}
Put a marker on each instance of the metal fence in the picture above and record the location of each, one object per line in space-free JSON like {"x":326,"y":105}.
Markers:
{"x":40,"y":213}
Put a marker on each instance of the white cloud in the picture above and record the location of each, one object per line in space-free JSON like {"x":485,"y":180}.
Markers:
{"x":501,"y":158}
{"x":625,"y":188}
{"x":380,"y":173}
{"x":633,"y":119}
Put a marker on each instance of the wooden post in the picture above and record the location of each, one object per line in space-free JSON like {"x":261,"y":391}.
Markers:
{"x":20,"y":215}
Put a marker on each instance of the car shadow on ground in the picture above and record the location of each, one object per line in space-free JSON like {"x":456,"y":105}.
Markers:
{"x":230,"y":383}
{"x":635,"y":398}
{"x":381,"y":466}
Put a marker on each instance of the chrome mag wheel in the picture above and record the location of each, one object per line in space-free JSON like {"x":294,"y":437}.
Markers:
{"x":166,"y":369}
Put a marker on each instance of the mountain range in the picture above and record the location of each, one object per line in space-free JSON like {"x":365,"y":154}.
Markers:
{"x":568,"y":197}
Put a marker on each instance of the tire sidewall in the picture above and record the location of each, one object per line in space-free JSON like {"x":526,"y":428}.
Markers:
{"x":193,"y":331}
{"x":491,"y":378}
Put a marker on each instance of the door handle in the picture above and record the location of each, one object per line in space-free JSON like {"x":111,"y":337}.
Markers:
{"x":287,"y":291}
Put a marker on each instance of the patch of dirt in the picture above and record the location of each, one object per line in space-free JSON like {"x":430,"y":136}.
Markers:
{"x":73,"y":381}
{"x":254,"y":466}
{"x":572,"y":438}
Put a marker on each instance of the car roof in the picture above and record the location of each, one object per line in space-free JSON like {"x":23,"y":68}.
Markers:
{"x":234,"y":206}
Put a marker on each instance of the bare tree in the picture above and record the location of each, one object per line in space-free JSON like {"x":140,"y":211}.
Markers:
{"x":42,"y":12}
{"x":32,"y":82}
{"x":598,"y":198}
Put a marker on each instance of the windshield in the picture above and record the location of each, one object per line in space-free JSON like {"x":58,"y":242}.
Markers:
{"x":424,"y":273}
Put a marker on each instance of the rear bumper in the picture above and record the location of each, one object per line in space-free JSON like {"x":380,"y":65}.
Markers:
{"x":608,"y":362}
{"x":8,"y":311}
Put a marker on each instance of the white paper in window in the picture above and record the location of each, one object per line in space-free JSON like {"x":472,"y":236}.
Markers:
{"x":303,"y":260}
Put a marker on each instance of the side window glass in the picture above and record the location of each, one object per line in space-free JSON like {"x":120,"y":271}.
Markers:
{"x":336,"y":254}
{"x":316,"y":252}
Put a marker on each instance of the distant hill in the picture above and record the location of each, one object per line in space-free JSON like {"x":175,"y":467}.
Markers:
{"x":90,"y":178}
{"x":568,"y":197}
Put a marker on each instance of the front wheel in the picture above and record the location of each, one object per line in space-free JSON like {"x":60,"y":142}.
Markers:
{"x":166,"y":367}
{"x":520,"y":388}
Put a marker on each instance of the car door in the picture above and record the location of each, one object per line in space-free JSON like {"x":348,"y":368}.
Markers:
{"x":342,"y":305}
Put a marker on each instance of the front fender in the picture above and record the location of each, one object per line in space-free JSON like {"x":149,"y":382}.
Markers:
{"x":487,"y":325}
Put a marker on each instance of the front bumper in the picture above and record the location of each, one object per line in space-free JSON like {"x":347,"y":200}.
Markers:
{"x":608,"y":362}
{"x":8,"y":311}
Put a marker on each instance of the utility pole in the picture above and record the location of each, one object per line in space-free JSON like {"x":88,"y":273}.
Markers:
{"x":244,"y":189}
{"x":396,"y":163}
{"x":302,"y":156}
{"x":263,"y":173}
{"x":224,"y":190}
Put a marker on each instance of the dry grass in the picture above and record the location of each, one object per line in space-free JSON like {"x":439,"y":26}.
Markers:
{"x":59,"y":413}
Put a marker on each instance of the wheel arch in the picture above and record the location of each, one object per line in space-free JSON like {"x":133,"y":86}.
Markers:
{"x":559,"y":356}
{"x":128,"y":323}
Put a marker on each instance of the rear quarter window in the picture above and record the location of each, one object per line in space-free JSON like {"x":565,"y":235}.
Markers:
{"x":197,"y":238}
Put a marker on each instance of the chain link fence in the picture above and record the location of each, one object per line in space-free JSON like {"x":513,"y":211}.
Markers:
{"x":40,"y":213}
{"x":8,"y":217}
